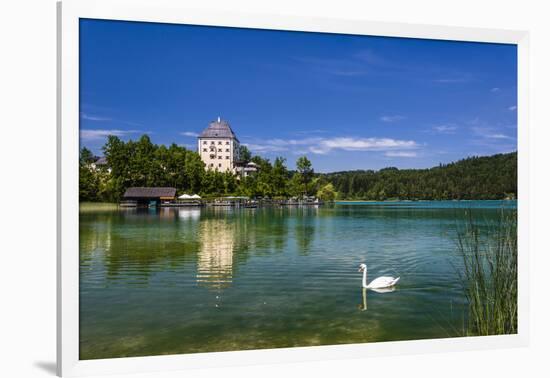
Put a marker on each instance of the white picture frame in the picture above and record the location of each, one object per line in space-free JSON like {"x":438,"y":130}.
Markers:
{"x":69,"y":13}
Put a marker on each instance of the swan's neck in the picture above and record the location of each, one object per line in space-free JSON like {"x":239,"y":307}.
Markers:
{"x":365,"y":278}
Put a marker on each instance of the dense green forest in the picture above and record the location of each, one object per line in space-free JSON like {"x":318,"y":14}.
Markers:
{"x":142,"y":163}
{"x":492,"y":177}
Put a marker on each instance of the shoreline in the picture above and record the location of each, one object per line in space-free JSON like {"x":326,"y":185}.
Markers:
{"x":95,"y":206}
{"x":423,"y":200}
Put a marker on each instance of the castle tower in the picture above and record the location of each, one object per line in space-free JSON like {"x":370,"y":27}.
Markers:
{"x":218,"y":146}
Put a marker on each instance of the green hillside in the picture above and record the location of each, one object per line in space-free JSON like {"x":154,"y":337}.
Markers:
{"x":492,"y":177}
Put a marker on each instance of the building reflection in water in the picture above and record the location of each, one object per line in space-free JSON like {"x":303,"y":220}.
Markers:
{"x":215,"y":256}
{"x":191,"y":214}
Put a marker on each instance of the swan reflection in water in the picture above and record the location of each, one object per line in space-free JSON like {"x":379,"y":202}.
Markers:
{"x":363,"y":305}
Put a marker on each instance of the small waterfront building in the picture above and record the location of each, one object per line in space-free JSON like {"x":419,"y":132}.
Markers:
{"x":148,"y":195}
{"x":218,"y":146}
{"x":100,"y":163}
{"x":245,"y":169}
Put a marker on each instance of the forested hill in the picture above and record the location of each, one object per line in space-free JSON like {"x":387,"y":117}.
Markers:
{"x":492,"y":177}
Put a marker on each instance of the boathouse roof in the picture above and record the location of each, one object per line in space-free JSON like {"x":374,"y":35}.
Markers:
{"x":218,"y":129}
{"x":101,"y":161}
{"x":149,"y":192}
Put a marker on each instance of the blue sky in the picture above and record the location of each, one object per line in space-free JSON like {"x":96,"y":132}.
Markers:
{"x":347,"y":102}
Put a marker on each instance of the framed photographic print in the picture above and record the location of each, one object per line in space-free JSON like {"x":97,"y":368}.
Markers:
{"x":240,"y":189}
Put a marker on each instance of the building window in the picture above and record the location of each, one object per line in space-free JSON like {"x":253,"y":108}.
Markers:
{"x":211,"y":164}
{"x":219,"y":150}
{"x":205,"y":142}
{"x":227,"y":142}
{"x":227,"y":157}
{"x":220,"y":142}
{"x":227,"y":150}
{"x":212,"y":142}
{"x":219,"y":157}
{"x":220,"y":165}
{"x":212,"y":156}
{"x":205,"y":150}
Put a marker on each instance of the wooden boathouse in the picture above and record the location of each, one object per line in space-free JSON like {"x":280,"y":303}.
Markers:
{"x":147,"y":196}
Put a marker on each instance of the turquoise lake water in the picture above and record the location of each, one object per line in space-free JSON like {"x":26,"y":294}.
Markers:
{"x":167,"y":281}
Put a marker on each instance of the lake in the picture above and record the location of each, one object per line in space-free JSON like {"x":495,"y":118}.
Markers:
{"x":170,"y":281}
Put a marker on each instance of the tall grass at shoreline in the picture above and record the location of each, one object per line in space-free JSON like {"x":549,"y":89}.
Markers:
{"x":97,"y":206}
{"x":489,"y":274}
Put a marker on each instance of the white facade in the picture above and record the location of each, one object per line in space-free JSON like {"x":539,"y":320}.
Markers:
{"x":218,"y":146}
{"x":218,"y":153}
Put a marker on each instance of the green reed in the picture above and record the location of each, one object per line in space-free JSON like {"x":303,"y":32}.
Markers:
{"x":489,"y":274}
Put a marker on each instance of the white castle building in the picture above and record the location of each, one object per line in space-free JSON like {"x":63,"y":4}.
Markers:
{"x":219,"y":147}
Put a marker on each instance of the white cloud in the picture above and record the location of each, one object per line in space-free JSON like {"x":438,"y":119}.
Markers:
{"x":392,"y":118}
{"x":408,"y":154}
{"x":489,"y":133}
{"x":366,"y":144}
{"x":326,"y":145}
{"x":189,"y":134}
{"x":96,"y":118}
{"x":264,"y":148}
{"x":445,"y":129}
{"x":495,"y":89}
{"x":498,"y":136}
{"x":512,"y":108}
{"x":90,"y":117}
{"x":88,"y":134}
{"x":314,"y":131}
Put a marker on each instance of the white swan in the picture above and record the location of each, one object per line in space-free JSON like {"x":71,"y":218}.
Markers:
{"x":378,"y":283}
